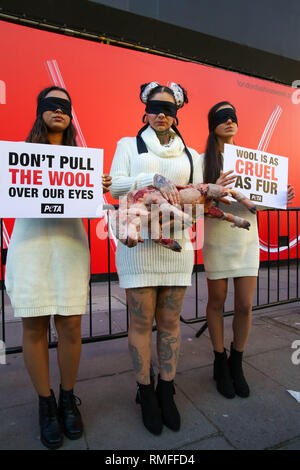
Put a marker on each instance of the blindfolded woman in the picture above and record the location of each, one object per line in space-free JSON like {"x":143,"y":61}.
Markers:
{"x":155,"y":278}
{"x":47,"y":273}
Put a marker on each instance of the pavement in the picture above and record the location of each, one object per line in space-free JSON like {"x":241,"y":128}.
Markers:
{"x":268,"y":419}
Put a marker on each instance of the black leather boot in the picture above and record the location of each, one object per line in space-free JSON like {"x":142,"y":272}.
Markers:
{"x":236,"y":371}
{"x":69,"y":414}
{"x":222,"y":375}
{"x":152,"y":383}
{"x":165,"y":392}
{"x":151,"y":413}
{"x":51,"y":431}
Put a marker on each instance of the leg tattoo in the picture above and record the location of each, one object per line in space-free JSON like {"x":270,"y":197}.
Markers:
{"x":168,"y":351}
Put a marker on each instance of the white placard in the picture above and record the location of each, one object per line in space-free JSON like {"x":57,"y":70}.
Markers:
{"x":43,"y":180}
{"x":261,"y":176}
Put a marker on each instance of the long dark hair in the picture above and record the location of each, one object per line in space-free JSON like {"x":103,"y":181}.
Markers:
{"x":39,"y":131}
{"x":213,"y":163}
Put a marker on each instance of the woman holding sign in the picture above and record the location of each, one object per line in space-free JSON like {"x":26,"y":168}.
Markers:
{"x":228,"y":253}
{"x":155,"y":278}
{"x":47,"y":273}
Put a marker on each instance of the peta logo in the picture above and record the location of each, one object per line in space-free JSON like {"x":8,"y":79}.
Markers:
{"x":52,"y":209}
{"x":2,"y":92}
{"x":256,"y":197}
{"x":296,"y":355}
{"x":296,"y":93}
{"x":2,"y":353}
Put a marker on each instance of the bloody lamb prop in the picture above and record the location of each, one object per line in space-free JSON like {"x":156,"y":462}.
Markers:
{"x":148,"y":208}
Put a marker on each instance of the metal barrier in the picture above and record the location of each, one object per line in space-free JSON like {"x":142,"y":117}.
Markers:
{"x":273,"y":272}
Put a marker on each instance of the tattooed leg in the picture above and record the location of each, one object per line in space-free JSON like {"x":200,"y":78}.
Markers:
{"x":141,"y":306}
{"x":169,"y":304}
{"x":168,"y":347}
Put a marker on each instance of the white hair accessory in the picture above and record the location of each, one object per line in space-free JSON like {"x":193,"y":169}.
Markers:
{"x":146,"y":91}
{"x":178,"y":94}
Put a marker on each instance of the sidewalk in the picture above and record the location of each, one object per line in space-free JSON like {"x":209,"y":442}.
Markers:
{"x":268,"y":419}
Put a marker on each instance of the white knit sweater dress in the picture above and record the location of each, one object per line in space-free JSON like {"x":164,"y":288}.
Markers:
{"x":48,"y":267}
{"x":230,"y":251}
{"x":149,"y":264}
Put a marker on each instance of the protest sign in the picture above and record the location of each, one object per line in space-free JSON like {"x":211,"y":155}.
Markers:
{"x":42,"y":180}
{"x":261,"y":176}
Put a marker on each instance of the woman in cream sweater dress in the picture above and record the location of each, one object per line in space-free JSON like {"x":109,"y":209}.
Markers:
{"x":155,"y":278}
{"x":228,"y":253}
{"x":47,"y":273}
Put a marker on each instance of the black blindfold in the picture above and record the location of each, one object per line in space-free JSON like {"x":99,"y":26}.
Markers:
{"x":52,"y":104}
{"x":222,"y":116}
{"x":165,"y":107}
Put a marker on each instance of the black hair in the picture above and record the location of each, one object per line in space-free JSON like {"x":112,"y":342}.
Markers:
{"x":39,"y":131}
{"x":213,"y":162}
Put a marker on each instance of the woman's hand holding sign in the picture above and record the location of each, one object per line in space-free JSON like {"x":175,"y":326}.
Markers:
{"x":106,"y":182}
{"x":224,"y":178}
{"x":290,"y":193}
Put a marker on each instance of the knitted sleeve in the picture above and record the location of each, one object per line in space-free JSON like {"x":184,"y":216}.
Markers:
{"x":198,"y":166}
{"x":122,"y":170}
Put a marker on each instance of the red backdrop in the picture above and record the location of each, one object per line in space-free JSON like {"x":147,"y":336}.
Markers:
{"x":104,"y":83}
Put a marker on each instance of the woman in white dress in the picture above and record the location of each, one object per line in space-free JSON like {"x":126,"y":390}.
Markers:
{"x":228,"y":253}
{"x":47,"y":273}
{"x":155,"y":278}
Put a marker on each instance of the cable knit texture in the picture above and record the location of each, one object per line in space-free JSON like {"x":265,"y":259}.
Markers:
{"x":149,"y":264}
{"x":48,"y":267}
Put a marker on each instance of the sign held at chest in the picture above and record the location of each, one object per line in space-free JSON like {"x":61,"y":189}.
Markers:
{"x":262,"y":177}
{"x":43,"y":180}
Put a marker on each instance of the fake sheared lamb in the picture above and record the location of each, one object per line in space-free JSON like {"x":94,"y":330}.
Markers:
{"x":148,"y":208}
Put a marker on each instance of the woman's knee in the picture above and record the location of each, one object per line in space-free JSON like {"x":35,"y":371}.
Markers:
{"x":69,"y":328}
{"x":35,"y":329}
{"x":141,"y":302}
{"x":244,"y":309}
{"x":217,"y":292}
{"x":168,"y":323}
{"x":141,"y":324}
{"x":216,"y":302}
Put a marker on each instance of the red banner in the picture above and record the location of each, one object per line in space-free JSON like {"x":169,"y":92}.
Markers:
{"x":104,"y":83}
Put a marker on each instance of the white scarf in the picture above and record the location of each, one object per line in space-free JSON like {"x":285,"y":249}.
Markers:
{"x":152,"y":142}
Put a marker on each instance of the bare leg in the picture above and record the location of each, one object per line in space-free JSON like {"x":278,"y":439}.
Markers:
{"x":217,"y":291}
{"x":243,"y":295}
{"x":35,"y":352}
{"x":169,"y":303}
{"x":141,"y":305}
{"x":69,"y":348}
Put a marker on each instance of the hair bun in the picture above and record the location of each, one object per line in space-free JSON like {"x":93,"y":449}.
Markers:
{"x":180,"y":94}
{"x":145,"y":90}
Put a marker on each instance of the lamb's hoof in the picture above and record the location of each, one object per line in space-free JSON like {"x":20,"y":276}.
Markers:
{"x":176,"y":246}
{"x":247,"y":225}
{"x":253,"y":209}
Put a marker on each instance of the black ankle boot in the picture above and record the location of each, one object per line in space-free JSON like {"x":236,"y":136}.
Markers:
{"x":165,"y":392}
{"x":51,"y":432}
{"x":151,"y":413}
{"x":222,"y":375}
{"x":236,"y":371}
{"x":69,"y":414}
{"x":152,"y":383}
